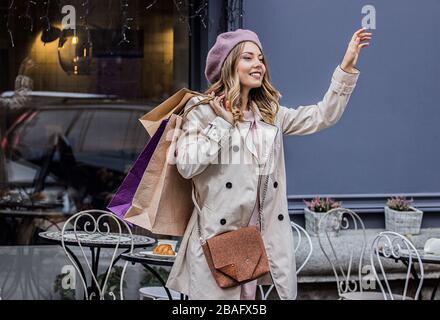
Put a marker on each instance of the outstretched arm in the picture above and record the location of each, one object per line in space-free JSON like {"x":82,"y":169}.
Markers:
{"x":313,"y":118}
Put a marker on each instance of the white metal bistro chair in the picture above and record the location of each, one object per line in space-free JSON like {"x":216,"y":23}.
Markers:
{"x":86,"y":228}
{"x":394,"y":245}
{"x":348,"y":277}
{"x":301,"y":233}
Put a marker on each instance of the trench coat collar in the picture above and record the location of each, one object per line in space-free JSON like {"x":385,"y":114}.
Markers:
{"x":266,"y":136}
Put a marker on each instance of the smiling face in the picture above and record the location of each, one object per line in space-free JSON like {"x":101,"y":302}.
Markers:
{"x":250,"y":67}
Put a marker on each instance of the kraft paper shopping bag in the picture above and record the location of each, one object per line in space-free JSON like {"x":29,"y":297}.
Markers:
{"x":173,"y":105}
{"x":123,"y":198}
{"x":162,"y":203}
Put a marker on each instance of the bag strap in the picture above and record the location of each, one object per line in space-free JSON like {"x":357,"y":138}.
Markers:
{"x":184,"y":113}
{"x":199,"y":213}
{"x":260,"y":212}
{"x":266,"y":183}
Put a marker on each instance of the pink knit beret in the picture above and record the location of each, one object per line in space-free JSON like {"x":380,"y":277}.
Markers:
{"x":221,"y":49}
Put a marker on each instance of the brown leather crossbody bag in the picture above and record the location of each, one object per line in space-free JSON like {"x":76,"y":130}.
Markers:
{"x":236,"y":257}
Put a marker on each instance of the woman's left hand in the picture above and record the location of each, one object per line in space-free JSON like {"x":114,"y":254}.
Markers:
{"x":359,"y":40}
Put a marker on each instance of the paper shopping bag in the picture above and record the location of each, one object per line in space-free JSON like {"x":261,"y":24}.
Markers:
{"x":123,"y":198}
{"x":173,"y":105}
{"x":162,"y":203}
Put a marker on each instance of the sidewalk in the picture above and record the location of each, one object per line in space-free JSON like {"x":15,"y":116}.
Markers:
{"x":29,"y":273}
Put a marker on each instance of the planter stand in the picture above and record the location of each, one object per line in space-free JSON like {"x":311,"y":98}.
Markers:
{"x":403,"y":222}
{"x":312,"y":223}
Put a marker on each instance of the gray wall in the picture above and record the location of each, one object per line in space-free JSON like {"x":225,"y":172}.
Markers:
{"x":203,"y":38}
{"x":387,"y":141}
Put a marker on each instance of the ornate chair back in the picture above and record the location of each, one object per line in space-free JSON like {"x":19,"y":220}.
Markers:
{"x":394,"y":245}
{"x":87,"y":227}
{"x":348,"y":275}
{"x":302,"y":236}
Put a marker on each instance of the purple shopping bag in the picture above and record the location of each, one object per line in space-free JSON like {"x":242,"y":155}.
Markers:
{"x":123,"y":198}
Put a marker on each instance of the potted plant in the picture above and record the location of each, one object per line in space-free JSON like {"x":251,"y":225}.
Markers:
{"x":401,"y":217}
{"x":315,"y":210}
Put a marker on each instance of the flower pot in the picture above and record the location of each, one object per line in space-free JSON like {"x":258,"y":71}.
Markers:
{"x":403,"y":222}
{"x":312,"y":223}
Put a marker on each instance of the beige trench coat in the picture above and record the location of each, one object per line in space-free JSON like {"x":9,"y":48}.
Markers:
{"x":222,"y":162}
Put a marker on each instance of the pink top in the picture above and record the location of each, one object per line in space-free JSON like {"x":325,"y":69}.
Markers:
{"x":249,"y":116}
{"x":248,"y":290}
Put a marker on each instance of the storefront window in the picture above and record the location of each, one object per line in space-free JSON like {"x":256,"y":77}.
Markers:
{"x":69,"y":128}
{"x":149,"y":60}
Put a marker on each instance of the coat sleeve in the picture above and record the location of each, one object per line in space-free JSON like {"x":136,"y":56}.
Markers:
{"x":203,"y":135}
{"x":310,"y":119}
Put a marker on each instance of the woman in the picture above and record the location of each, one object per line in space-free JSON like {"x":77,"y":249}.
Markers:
{"x":225,"y":145}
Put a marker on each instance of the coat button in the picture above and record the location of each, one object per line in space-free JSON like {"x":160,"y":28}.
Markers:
{"x":223,"y":222}
{"x":229,"y":185}
{"x":275,"y":185}
{"x":281,"y":217}
{"x":236,"y":148}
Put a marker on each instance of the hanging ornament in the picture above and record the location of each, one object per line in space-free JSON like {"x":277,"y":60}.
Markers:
{"x":9,"y":18}
{"x":182,"y":6}
{"x":126,"y":22}
{"x":50,"y":33}
{"x":151,"y":4}
{"x":200,"y":13}
{"x":27,"y":16}
{"x":75,"y":49}
{"x":235,"y":13}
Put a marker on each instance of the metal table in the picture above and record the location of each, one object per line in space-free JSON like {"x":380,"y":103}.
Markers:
{"x":148,"y":261}
{"x":426,"y":259}
{"x":20,"y":222}
{"x":96,"y":241}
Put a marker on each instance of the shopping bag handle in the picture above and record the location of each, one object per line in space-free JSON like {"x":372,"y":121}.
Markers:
{"x":184,"y":113}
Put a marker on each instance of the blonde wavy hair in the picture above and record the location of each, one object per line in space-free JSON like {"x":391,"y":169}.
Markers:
{"x":265,"y":97}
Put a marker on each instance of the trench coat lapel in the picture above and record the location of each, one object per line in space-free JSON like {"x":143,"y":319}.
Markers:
{"x":266,"y":136}
{"x":245,"y":133}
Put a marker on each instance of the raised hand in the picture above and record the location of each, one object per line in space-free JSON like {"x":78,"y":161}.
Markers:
{"x":359,"y":40}
{"x":222,"y":109}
